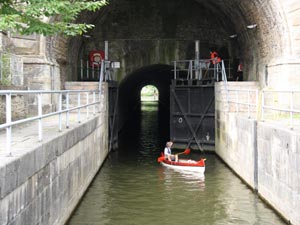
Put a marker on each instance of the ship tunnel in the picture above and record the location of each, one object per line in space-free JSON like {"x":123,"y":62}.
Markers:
{"x":145,"y":37}
{"x":159,"y":75}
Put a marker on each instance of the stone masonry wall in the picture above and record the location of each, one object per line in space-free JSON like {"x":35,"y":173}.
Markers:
{"x":266,"y":156}
{"x":292,"y":7}
{"x":278,"y":169}
{"x":43,"y":186}
{"x":18,"y":108}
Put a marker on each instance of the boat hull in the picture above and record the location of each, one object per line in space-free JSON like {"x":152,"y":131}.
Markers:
{"x":186,"y":165}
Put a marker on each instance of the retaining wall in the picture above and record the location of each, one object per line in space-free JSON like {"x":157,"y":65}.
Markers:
{"x":265,"y":155}
{"x":44,"y":185}
{"x":279,"y":168}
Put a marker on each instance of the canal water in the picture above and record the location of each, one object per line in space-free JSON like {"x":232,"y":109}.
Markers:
{"x":133,"y":189}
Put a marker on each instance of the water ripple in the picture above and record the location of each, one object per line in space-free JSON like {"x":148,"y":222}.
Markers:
{"x":133,"y":189}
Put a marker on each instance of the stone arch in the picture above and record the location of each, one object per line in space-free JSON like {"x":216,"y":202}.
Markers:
{"x":123,"y":24}
{"x":165,"y":28}
{"x":158,"y":75}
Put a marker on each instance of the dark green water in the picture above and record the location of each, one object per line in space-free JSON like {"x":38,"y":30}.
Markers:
{"x":133,"y":189}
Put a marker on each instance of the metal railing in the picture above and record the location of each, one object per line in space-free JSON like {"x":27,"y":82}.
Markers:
{"x":201,"y":69}
{"x":244,"y":100}
{"x":193,"y":69}
{"x":281,"y":105}
{"x":267,"y":105}
{"x":104,"y":70}
{"x":64,"y":106}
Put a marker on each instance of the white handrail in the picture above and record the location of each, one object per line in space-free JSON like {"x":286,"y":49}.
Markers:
{"x":8,"y":103}
{"x":238,"y":101}
{"x":290,"y":109}
{"x":287,"y":104}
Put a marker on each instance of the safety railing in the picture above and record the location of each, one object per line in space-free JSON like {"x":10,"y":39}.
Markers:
{"x":281,"y":106}
{"x":267,"y":105}
{"x":104,"y":70}
{"x":201,"y":69}
{"x":244,"y":101}
{"x":66,"y":102}
{"x":192,"y":69}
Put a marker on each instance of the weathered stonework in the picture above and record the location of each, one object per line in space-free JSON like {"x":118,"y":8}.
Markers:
{"x":264,"y":154}
{"x":19,"y":108}
{"x":146,"y":33}
{"x":142,"y":34}
{"x":44,"y":181}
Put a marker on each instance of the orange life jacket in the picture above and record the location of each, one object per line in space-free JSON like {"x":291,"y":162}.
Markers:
{"x":215,"y":58}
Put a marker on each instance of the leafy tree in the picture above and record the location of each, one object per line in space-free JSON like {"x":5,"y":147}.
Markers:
{"x":33,"y":16}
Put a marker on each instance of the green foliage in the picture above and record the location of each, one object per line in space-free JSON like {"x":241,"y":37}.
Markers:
{"x":5,"y":73}
{"x":149,"y":93}
{"x":32,"y":16}
{"x":149,"y":90}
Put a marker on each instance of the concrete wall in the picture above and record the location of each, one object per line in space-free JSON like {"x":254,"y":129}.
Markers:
{"x":43,"y":185}
{"x":279,"y":168}
{"x":237,"y":147}
{"x":266,"y":156}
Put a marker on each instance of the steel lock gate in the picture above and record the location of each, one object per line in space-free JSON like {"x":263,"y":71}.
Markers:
{"x":192,"y":115}
{"x":113,"y":114}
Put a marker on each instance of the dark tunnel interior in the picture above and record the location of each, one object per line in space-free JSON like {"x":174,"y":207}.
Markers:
{"x":160,"y":76}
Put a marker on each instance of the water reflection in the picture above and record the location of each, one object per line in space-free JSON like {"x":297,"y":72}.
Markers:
{"x":133,"y":189}
{"x":192,"y":179}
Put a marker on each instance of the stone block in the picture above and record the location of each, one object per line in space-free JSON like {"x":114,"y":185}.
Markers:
{"x":12,"y":222}
{"x":297,"y":143}
{"x":43,"y":179}
{"x":11,"y":177}
{"x":50,"y":149}
{"x":3,"y":211}
{"x":27,"y":167}
{"x":294,"y":6}
{"x":69,"y":139}
{"x":53,"y":170}
{"x":30,"y":190}
{"x":292,"y":178}
{"x":17,"y":80}
{"x":46,"y":202}
{"x":40,"y":157}
{"x":34,"y":209}
{"x":11,"y":208}
{"x":2,"y":181}
{"x":61,"y":145}
{"x":55,"y":190}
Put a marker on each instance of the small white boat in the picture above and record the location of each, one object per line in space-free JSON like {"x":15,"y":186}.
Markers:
{"x":184,"y":164}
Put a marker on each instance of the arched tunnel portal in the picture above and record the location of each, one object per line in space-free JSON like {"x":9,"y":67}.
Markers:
{"x":146,"y":36}
{"x":158,"y":75}
{"x":157,"y":32}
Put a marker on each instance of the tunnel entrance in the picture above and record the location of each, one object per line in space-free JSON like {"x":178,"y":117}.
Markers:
{"x":187,"y":107}
{"x":130,"y":87}
{"x":149,"y":93}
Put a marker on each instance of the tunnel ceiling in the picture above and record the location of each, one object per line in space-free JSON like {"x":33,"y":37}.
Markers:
{"x":229,"y":16}
{"x":147,"y":32}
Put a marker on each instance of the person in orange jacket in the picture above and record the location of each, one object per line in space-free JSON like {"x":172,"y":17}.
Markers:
{"x":214,"y":57}
{"x":215,"y":60}
{"x":240,"y":72}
